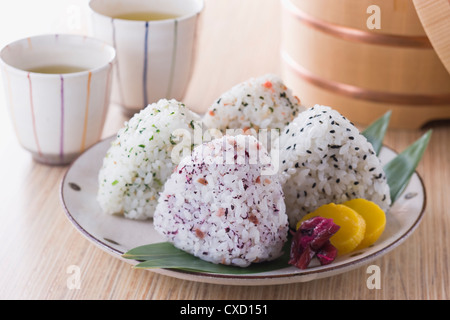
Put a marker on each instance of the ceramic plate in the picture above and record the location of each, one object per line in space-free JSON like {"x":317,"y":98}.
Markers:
{"x":116,"y":235}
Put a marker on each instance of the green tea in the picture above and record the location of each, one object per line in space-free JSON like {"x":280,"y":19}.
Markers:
{"x":56,"y":69}
{"x":146,"y":16}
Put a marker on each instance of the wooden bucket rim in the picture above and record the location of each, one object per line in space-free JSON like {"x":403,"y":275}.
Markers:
{"x":357,"y":35}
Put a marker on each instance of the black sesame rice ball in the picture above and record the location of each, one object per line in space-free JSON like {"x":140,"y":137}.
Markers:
{"x":323,"y":159}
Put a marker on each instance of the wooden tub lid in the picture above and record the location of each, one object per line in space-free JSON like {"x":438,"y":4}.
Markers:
{"x":435,"y":18}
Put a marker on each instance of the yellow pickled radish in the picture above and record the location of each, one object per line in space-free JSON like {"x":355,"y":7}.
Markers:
{"x":375,"y":220}
{"x":352,"y":226}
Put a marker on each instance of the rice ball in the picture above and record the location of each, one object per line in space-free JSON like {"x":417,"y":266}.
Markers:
{"x":224,"y":204}
{"x":324,"y":158}
{"x":143,"y":156}
{"x":258,"y":103}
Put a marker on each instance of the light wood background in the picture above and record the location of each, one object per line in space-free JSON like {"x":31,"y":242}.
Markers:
{"x":238,"y":40}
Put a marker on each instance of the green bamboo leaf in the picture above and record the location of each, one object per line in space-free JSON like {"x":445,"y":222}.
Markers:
{"x":376,"y":131}
{"x":155,"y":250}
{"x":400,"y":169}
{"x":165,"y":255}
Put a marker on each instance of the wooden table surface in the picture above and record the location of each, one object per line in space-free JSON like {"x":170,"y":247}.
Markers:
{"x":238,"y":40}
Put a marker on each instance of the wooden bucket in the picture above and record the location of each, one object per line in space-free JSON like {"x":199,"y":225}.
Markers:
{"x":330,"y":56}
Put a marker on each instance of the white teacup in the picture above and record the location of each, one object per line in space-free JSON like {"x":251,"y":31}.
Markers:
{"x":58,"y":92}
{"x":155,"y":54}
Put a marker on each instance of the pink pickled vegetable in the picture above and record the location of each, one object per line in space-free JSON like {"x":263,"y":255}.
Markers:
{"x":312,"y":239}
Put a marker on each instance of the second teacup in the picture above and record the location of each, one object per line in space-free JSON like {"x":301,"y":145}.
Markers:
{"x":155,"y":42}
